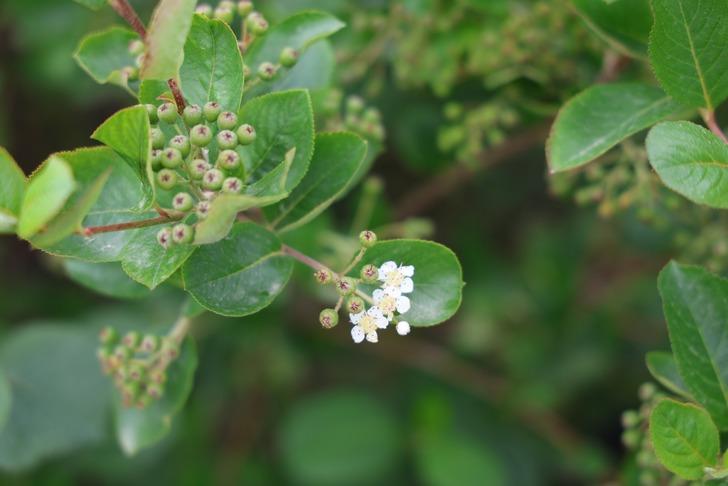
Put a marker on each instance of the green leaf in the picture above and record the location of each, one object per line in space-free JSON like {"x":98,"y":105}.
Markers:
{"x":223,"y":212}
{"x":92,"y":4}
{"x":6,"y":399}
{"x":59,"y":396}
{"x":240,"y":274}
{"x":70,"y":218}
{"x":166,"y":36}
{"x":283,"y":121}
{"x":137,"y":429}
{"x":685,"y":439}
{"x":213,"y":67}
{"x":624,"y":24}
{"x":104,"y":278}
{"x":147,"y":262}
{"x":104,"y":54}
{"x":690,"y":160}
{"x":687,"y":50}
{"x":323,"y":437}
{"x":599,"y":118}
{"x":695,"y":306}
{"x":128,"y":133}
{"x":11,"y":190}
{"x":438,"y":278}
{"x":48,"y":189}
{"x":336,"y":160}
{"x":150,"y":91}
{"x":663,"y":367}
{"x":8,"y":221}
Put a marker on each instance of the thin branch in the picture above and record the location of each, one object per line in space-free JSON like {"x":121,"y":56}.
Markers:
{"x":711,"y":122}
{"x":613,"y":63}
{"x":305,"y":259}
{"x":179,"y":99}
{"x":127,"y":12}
{"x":144,"y":223}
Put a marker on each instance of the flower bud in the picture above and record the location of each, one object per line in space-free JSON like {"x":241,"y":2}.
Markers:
{"x":345,"y":286}
{"x":367,"y":238}
{"x":266,"y":71}
{"x":150,"y":343}
{"x":212,"y":180}
{"x":200,"y":135}
{"x":170,"y":349}
{"x":202,"y":209}
{"x":227,"y":139}
{"x":166,"y":178}
{"x":647,"y":391}
{"x":289,"y":57}
{"x":224,"y":14}
{"x":328,"y":318}
{"x":323,"y":276}
{"x":164,"y":237}
{"x":108,"y":336}
{"x":197,"y":168}
{"x":630,"y":418}
{"x":256,"y":23}
{"x":244,"y":7}
{"x":228,"y":160}
{"x":136,"y":47}
{"x":211,"y":110}
{"x":227,"y":120}
{"x":403,"y":328}
{"x":171,"y":158}
{"x":204,"y":9}
{"x":232,"y":185}
{"x":183,"y":234}
{"x":246,"y":134}
{"x":355,"y":304}
{"x":152,"y":113}
{"x":192,"y":115}
{"x":167,"y":112}
{"x":158,"y":139}
{"x":131,"y":339}
{"x":369,"y":273}
{"x":181,"y":143}
{"x":182,"y":201}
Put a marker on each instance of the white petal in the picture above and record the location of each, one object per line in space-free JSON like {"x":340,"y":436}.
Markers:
{"x":375,"y":312}
{"x":357,"y":334}
{"x":403,"y":304}
{"x":407,"y":286}
{"x":407,"y":270}
{"x":403,"y":328}
{"x":377,"y":295}
{"x":385,"y":269}
{"x":392,"y":291}
{"x":381,"y":322}
{"x":355,"y":318}
{"x":372,"y":337}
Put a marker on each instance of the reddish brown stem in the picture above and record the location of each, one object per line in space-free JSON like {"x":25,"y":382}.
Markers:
{"x":110,"y":228}
{"x":305,"y":259}
{"x":710,"y":121}
{"x":127,"y":12}
{"x":177,"y":93}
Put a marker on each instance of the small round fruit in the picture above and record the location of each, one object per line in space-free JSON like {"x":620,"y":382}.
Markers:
{"x":228,"y":160}
{"x":289,"y":57}
{"x":355,"y":304}
{"x":152,"y":113}
{"x":323,"y":276}
{"x":345,"y":286}
{"x":246,"y":134}
{"x":166,"y":178}
{"x":155,"y":391}
{"x":232,"y":185}
{"x":197,"y":168}
{"x":212,"y":180}
{"x":164,"y":237}
{"x":227,"y":120}
{"x":108,"y":335}
{"x":182,"y":202}
{"x":266,"y":71}
{"x":156,"y":159}
{"x":202,"y":209}
{"x":244,"y":7}
{"x":367,"y":238}
{"x":192,"y":115}
{"x":354,"y":104}
{"x":257,"y":25}
{"x":181,"y":143}
{"x":227,"y":140}
{"x":183,"y":233}
{"x":224,"y":14}
{"x":211,"y":110}
{"x":167,"y":112}
{"x":369,"y":273}
{"x":158,"y":139}
{"x":328,"y":318}
{"x":171,"y":158}
{"x":136,"y":47}
{"x":150,"y":343}
{"x":204,"y":9}
{"x":200,"y":135}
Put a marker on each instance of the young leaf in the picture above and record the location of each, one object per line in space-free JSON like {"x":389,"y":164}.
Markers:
{"x":104,"y":278}
{"x":690,"y":160}
{"x":687,"y":50}
{"x":166,"y":36}
{"x":240,"y":274}
{"x":213,"y":67}
{"x":336,"y":160}
{"x":624,"y":24}
{"x":663,"y":367}
{"x":283,"y":121}
{"x":12,"y":190}
{"x":695,"y":308}
{"x":48,"y":189}
{"x":104,"y":54}
{"x":137,"y":429}
{"x":438,"y":278}
{"x":685,"y":439}
{"x":599,"y":118}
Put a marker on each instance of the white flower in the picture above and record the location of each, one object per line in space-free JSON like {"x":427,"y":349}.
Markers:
{"x":389,"y":300}
{"x":366,"y":325}
{"x":403,"y":328}
{"x":397,"y":277}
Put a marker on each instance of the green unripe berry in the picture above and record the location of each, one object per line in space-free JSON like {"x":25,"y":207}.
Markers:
{"x":244,"y":7}
{"x":182,"y":202}
{"x":202,"y":209}
{"x":108,"y":336}
{"x":192,"y":115}
{"x":156,"y":159}
{"x":170,"y":349}
{"x":227,"y":139}
{"x":369,"y":273}
{"x":158,"y":138}
{"x":345,"y":286}
{"x":204,"y":9}
{"x":631,"y":438}
{"x":152,"y":113}
{"x":266,"y":71}
{"x":155,"y":391}
{"x":181,"y":143}
{"x":136,"y":372}
{"x":246,"y":134}
{"x":354,"y":104}
{"x":367,"y":238}
{"x":647,"y":391}
{"x":328,"y":318}
{"x":227,"y":120}
{"x":630,"y":418}
{"x":132,"y":339}
{"x":212,"y":180}
{"x":355,"y":304}
{"x":372,"y":115}
{"x":122,"y":353}
{"x":200,"y":135}
{"x":228,"y":160}
{"x":257,"y":25}
{"x":224,"y":14}
{"x":211,"y":110}
{"x":166,"y":178}
{"x":136,"y":47}
{"x":171,"y":158}
{"x":232,"y":185}
{"x":158,"y":377}
{"x":150,"y":343}
{"x":183,"y":233}
{"x":167,"y":112}
{"x":228,"y":4}
{"x":197,"y":168}
{"x":164,"y":237}
{"x":130,"y":73}
{"x":289,"y":57}
{"x":323,"y":276}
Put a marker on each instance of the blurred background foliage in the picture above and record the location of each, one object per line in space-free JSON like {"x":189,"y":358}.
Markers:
{"x":524,"y":386}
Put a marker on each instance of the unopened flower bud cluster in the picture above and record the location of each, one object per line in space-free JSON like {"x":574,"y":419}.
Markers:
{"x":352,"y":114}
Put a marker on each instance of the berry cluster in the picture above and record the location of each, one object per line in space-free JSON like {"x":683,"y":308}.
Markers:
{"x":137,"y":364}
{"x":184,"y":160}
{"x":357,"y":116}
{"x":131,"y":73}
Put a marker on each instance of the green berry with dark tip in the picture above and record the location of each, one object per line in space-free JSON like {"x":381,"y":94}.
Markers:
{"x":166,"y":178}
{"x":171,"y":157}
{"x":192,"y":115}
{"x":164,"y":237}
{"x":369,"y":273}
{"x":131,"y":339}
{"x":266,"y":71}
{"x":158,"y":377}
{"x":200,"y":135}
{"x":224,"y":14}
{"x":183,"y":233}
{"x":108,"y":336}
{"x":170,"y":349}
{"x":152,"y":113}
{"x":246,"y":134}
{"x":232,"y":185}
{"x":158,"y":138}
{"x":328,"y":318}
{"x":202,"y":209}
{"x":122,"y":353}
{"x":204,"y":9}
{"x":167,"y":112}
{"x":136,"y":47}
{"x":345,"y":286}
{"x":150,"y":343}
{"x":323,"y":276}
{"x":227,"y":139}
{"x":182,"y":201}
{"x":212,"y":180}
{"x":355,"y":304}
{"x":367,"y":238}
{"x":211,"y":110}
{"x":256,"y":23}
{"x":289,"y":57}
{"x":227,"y":120}
{"x":181,"y":143}
{"x":228,"y":160}
{"x":156,"y":159}
{"x":197,"y":168}
{"x":244,"y":7}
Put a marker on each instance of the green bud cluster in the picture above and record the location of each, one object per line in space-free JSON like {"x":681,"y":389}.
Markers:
{"x":354,"y":115}
{"x":227,"y":11}
{"x":137,"y":363}
{"x":131,"y":73}
{"x":181,"y":149}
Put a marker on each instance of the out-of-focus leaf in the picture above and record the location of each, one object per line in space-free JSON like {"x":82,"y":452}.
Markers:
{"x":624,"y":24}
{"x":104,"y":278}
{"x":663,"y":367}
{"x":12,"y":190}
{"x":166,"y":36}
{"x":103,"y":55}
